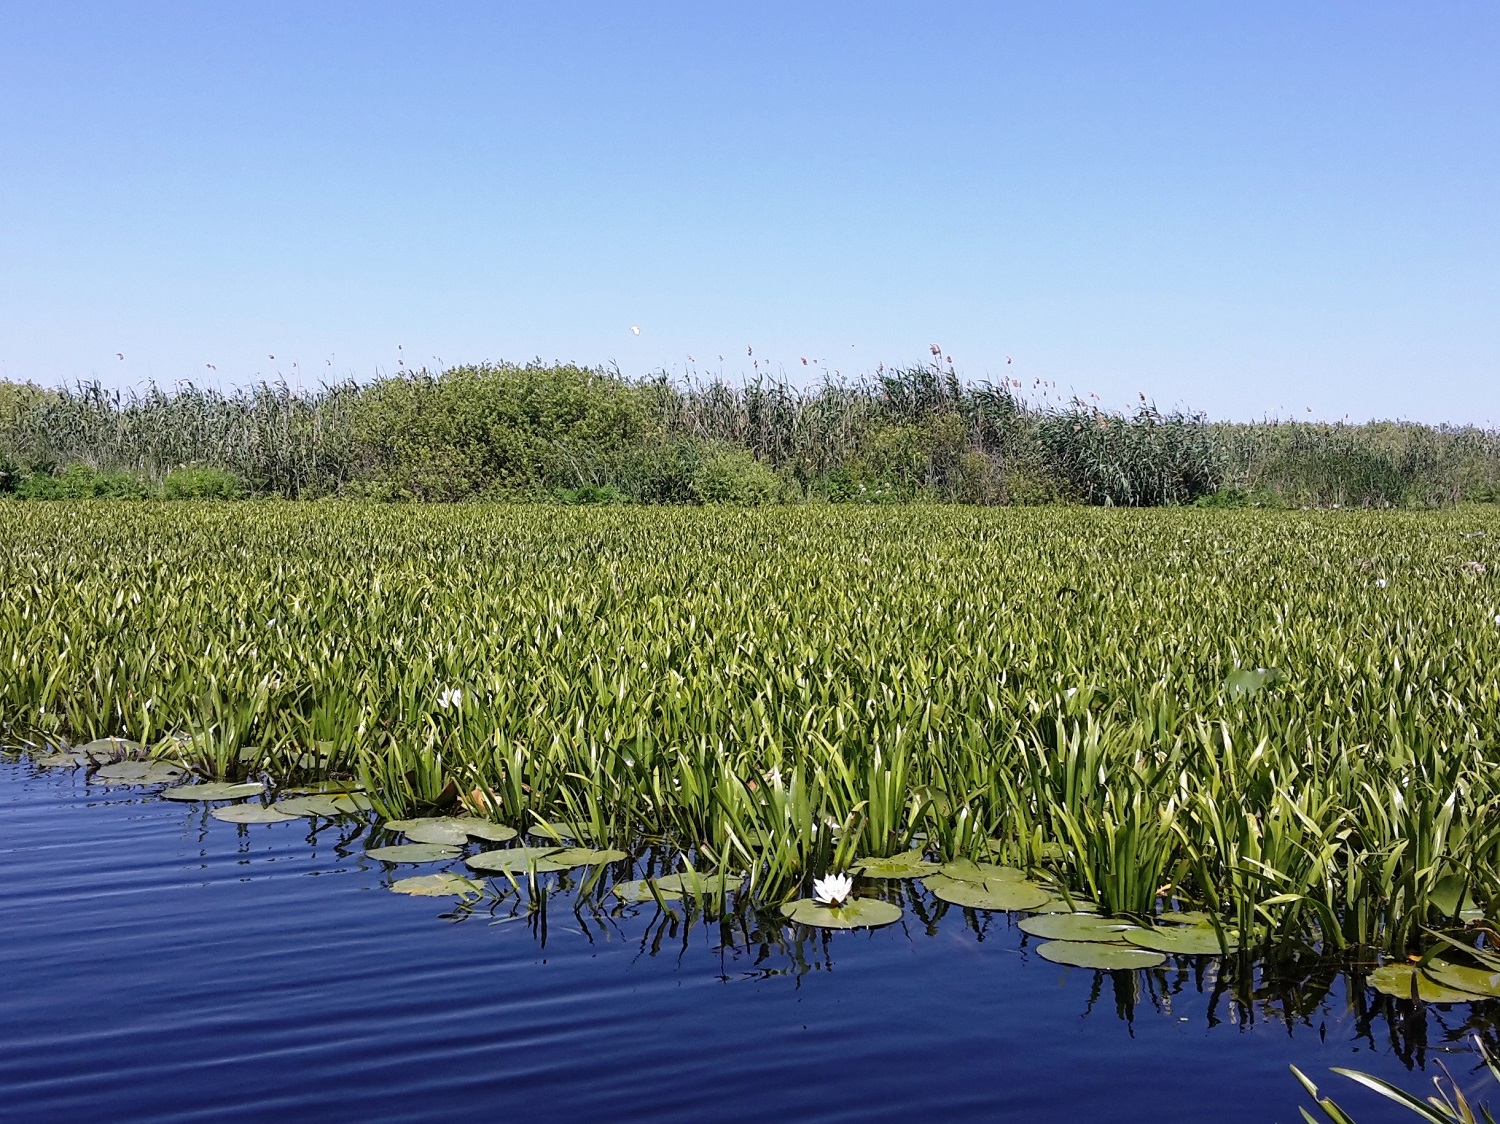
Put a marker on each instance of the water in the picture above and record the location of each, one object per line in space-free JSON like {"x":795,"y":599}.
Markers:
{"x":161,"y":965}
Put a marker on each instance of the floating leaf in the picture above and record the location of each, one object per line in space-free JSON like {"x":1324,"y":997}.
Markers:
{"x":1396,"y":980}
{"x":967,"y":870}
{"x":557,"y":830}
{"x":352,"y":802}
{"x":1451,"y":895}
{"x":512,"y":860}
{"x":437,"y":886}
{"x":637,"y":890}
{"x":697,"y":883}
{"x":250,"y":813}
{"x":309,"y":806}
{"x":1183,"y":917}
{"x":214,"y":790}
{"x":1100,"y":957}
{"x":326,"y":788}
{"x":856,"y":913}
{"x":1475,"y":981}
{"x":1006,"y":895}
{"x":63,"y":760}
{"x":1076,"y":927}
{"x":1181,"y":940}
{"x":138,"y":772}
{"x":583,"y":856}
{"x":441,"y":831}
{"x":413,"y":853}
{"x":488,"y":830}
{"x":110,"y":749}
{"x":908,"y":864}
{"x":1062,"y":905}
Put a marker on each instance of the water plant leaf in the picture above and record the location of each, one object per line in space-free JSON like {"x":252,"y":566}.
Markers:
{"x":636,"y":890}
{"x":250,"y":813}
{"x":214,"y":790}
{"x":856,"y":913}
{"x":559,"y":830}
{"x":696,"y":882}
{"x":1451,"y":895}
{"x":1062,"y":905}
{"x":443,"y":885}
{"x":967,"y":870}
{"x":413,"y":853}
{"x":1182,"y":917}
{"x":61,"y":760}
{"x":325,"y":788}
{"x":1459,"y":977}
{"x":314,"y":806}
{"x":584,"y":856}
{"x":1181,"y":940}
{"x":511,"y":860}
{"x":110,"y":749}
{"x":487,"y":830}
{"x":908,"y":864}
{"x":138,"y":772}
{"x":1100,"y":957}
{"x":1396,"y":980}
{"x":1077,"y":927}
{"x":1006,"y":894}
{"x":447,"y":833}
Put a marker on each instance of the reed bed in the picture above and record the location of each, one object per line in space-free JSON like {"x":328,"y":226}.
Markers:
{"x":1287,"y":719}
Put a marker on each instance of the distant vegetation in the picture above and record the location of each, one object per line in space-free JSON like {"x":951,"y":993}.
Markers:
{"x":574,"y":435}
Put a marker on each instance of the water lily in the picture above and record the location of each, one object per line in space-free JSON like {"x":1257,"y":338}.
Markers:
{"x":451,"y":696}
{"x":833,"y":890}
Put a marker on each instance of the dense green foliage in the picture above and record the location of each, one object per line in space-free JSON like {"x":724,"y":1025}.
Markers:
{"x":574,"y":435}
{"x":1077,"y":692}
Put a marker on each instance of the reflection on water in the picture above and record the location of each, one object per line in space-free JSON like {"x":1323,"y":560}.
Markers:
{"x":171,"y":950}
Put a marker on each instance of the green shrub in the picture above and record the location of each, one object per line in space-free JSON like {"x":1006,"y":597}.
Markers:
{"x":79,"y":481}
{"x":203,"y":484}
{"x":729,"y":475}
{"x":591,"y":495}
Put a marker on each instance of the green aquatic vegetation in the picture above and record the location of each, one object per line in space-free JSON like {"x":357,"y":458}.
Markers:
{"x":1072,"y":704}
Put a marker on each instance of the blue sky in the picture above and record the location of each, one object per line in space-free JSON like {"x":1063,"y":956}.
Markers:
{"x":1246,"y":209}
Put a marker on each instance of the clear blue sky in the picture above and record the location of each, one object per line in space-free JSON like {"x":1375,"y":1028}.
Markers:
{"x":1248,"y":209}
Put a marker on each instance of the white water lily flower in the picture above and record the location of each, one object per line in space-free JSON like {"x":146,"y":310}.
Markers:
{"x":833,"y":890}
{"x":451,"y":696}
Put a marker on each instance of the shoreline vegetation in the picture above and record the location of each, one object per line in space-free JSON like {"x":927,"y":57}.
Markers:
{"x":565,"y":434}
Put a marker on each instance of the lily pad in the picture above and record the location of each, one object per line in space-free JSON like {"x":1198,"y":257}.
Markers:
{"x":214,"y":790}
{"x":63,"y":760}
{"x":1475,"y":981}
{"x":637,"y":890}
{"x":696,"y":882}
{"x":486,"y":829}
{"x":908,"y":864}
{"x":309,"y":806}
{"x":440,"y":831}
{"x":856,"y":913}
{"x":110,"y":749}
{"x":1452,"y":895}
{"x":1100,"y":957}
{"x":1006,"y":895}
{"x":584,"y":856}
{"x":413,"y":853}
{"x":967,"y":870}
{"x":1181,"y":940}
{"x":250,"y":813}
{"x":351,"y":802}
{"x":1396,"y":980}
{"x":1077,"y":927}
{"x":437,"y":886}
{"x":558,"y":830}
{"x":513,"y":860}
{"x":1183,"y":917}
{"x":326,"y":788}
{"x":1062,"y":905}
{"x":138,"y":772}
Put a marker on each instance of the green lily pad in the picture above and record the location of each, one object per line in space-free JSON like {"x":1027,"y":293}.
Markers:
{"x":250,"y":813}
{"x":440,"y":831}
{"x":110,"y":749}
{"x":1006,"y":895}
{"x":1396,"y":980}
{"x":326,"y":788}
{"x":856,"y":913}
{"x":313,"y":806}
{"x":909,"y":864}
{"x":1181,"y":940}
{"x":1475,"y":981}
{"x":1076,"y":927}
{"x":967,"y":870}
{"x":675,"y":886}
{"x":138,"y":772}
{"x":637,"y":890}
{"x":487,"y":830}
{"x":413,"y":853}
{"x":437,"y":886}
{"x":584,"y":856}
{"x":1451,"y":895}
{"x":63,"y":760}
{"x":352,"y":802}
{"x":1100,"y":957}
{"x":512,"y":860}
{"x":558,"y":830}
{"x":1062,"y":905}
{"x":1183,"y":917}
{"x":214,"y":790}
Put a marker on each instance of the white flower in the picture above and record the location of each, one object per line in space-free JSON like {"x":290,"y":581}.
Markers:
{"x":1381,"y":583}
{"x":451,"y":696}
{"x":833,"y":890}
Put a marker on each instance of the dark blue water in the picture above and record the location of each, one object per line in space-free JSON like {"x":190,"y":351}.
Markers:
{"x":161,"y":965}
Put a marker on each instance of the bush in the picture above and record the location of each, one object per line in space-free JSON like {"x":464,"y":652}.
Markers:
{"x":591,"y":495}
{"x":79,"y":481}
{"x":729,"y":475}
{"x":203,"y":484}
